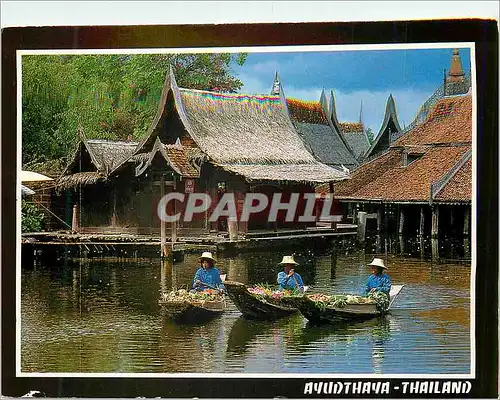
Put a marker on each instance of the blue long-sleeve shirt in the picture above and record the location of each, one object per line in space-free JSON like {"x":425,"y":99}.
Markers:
{"x":380,"y":282}
{"x":210,"y":276}
{"x":286,"y":282}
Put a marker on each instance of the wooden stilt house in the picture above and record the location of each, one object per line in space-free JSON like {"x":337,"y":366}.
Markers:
{"x":201,"y":142}
{"x":422,"y":184}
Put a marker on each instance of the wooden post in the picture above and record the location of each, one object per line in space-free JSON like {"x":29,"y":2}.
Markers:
{"x":163,"y":224}
{"x":422,"y":222}
{"x":379,"y":219}
{"x":466,"y":222}
{"x":401,"y":220}
{"x":332,"y":191}
{"x":173,"y":225}
{"x":435,"y":248}
{"x":361,"y":226}
{"x":75,"y":220}
{"x":435,"y":221}
{"x":113,"y":216}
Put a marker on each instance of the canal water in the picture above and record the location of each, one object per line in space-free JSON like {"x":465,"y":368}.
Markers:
{"x":102,"y":316}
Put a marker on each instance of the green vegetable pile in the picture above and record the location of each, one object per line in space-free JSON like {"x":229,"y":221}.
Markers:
{"x":270,"y":293}
{"x":182,"y":295}
{"x":324,"y":301}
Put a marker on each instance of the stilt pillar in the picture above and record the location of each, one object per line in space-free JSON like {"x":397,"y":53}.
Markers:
{"x":466,"y":222}
{"x":163,"y":224}
{"x":361,"y":226}
{"x":435,"y":248}
{"x":379,"y":219}
{"x":75,"y":225}
{"x":173,"y":236}
{"x":435,"y":221}
{"x":401,"y":220}
{"x":422,"y":222}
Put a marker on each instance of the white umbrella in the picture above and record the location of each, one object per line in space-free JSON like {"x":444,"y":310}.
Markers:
{"x":25,"y":191}
{"x":28,"y":176}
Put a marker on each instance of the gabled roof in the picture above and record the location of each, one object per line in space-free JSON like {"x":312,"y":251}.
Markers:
{"x":390,"y":125}
{"x":459,"y":187}
{"x":110,"y":154}
{"x":386,"y":179}
{"x":318,"y":132}
{"x":104,"y":155}
{"x":238,"y":129}
{"x":456,"y":184}
{"x":440,"y":171}
{"x":176,"y":156}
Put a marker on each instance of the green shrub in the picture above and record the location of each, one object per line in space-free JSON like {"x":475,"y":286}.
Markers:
{"x":32,"y":218}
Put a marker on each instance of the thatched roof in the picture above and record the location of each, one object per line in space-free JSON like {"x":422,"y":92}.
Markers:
{"x":80,"y":178}
{"x":109,"y":154}
{"x":311,"y":172}
{"x":317,"y":131}
{"x":104,"y":155}
{"x":237,"y":129}
{"x":242,"y":129}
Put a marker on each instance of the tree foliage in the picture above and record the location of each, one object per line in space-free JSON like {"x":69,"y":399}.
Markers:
{"x":369,"y":135}
{"x":109,"y":96}
{"x":32,"y":218}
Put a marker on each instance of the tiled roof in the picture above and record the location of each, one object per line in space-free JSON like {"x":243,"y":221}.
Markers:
{"x":449,"y":121}
{"x":358,"y":142}
{"x":179,"y":158}
{"x":459,"y":187}
{"x":384,"y":178}
{"x":312,"y":125}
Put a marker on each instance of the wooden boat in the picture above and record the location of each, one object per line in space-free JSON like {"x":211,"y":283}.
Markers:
{"x":256,"y":308}
{"x":193,"y":310}
{"x":350,"y":312}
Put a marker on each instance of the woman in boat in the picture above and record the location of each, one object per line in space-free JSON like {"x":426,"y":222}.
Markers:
{"x":207,"y":276}
{"x":288,"y":278}
{"x":379,"y":281}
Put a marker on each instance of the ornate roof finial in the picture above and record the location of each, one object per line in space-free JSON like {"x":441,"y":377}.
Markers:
{"x":276,"y":85}
{"x":456,"y":73}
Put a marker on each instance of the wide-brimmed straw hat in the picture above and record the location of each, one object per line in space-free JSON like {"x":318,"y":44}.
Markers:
{"x":377,"y":262}
{"x":207,"y":256}
{"x":288,"y":260}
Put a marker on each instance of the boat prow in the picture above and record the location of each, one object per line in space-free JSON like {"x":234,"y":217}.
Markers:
{"x":193,"y":311}
{"x":349,"y":312}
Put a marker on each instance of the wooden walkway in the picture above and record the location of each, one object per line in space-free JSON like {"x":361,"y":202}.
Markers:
{"x":130,"y":245}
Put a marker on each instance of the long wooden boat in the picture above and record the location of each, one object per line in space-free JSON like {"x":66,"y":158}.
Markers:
{"x":257,"y":308}
{"x":193,"y":310}
{"x":350,"y":312}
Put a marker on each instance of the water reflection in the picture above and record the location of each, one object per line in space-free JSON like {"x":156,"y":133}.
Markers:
{"x":103,"y":316}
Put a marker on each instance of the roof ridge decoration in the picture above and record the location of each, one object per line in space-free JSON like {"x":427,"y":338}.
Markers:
{"x":390,"y":114}
{"x":456,"y":72}
{"x":440,"y":184}
{"x":83,"y":142}
{"x":332,"y":116}
{"x":276,"y":89}
{"x":93,"y":157}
